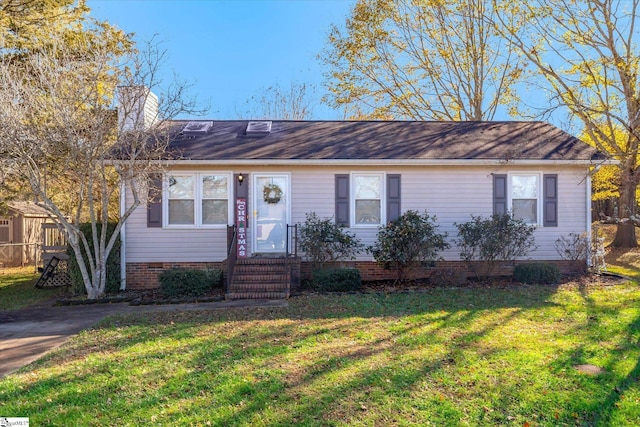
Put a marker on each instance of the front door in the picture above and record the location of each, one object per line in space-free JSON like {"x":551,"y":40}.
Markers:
{"x":271,"y":196}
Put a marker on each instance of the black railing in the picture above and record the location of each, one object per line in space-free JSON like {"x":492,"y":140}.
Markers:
{"x":232,"y":254}
{"x":292,"y":240}
{"x":291,"y":249}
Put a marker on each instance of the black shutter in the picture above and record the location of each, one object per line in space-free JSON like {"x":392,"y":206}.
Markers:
{"x":550,"y":200}
{"x":342,"y":200}
{"x":499,"y":194}
{"x":393,"y":197}
{"x":154,"y":201}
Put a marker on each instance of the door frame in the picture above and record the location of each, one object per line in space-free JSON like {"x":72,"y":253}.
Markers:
{"x":256,"y":194}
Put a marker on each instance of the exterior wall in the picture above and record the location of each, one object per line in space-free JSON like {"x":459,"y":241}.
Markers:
{"x":450,"y":193}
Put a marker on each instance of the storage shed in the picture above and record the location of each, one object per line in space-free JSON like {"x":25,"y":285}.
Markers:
{"x":21,"y":233}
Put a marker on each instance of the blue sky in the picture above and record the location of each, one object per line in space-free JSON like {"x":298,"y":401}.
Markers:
{"x":230,"y":50}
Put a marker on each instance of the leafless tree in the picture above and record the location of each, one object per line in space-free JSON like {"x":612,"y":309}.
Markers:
{"x":59,"y":124}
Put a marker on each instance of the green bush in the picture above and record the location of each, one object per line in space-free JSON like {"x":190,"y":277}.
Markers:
{"x":407,"y":243}
{"x":215,"y":276}
{"x":322,"y":241}
{"x":485,"y":243}
{"x":336,"y":280}
{"x":113,"y":262}
{"x":540,"y":273}
{"x":185,"y":282}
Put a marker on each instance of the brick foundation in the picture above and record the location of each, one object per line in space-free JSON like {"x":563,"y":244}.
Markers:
{"x":146,"y":275}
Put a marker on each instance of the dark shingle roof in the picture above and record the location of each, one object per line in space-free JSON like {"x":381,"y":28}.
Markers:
{"x":380,"y":140}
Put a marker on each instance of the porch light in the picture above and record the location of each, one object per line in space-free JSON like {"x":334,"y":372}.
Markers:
{"x":240,"y":179}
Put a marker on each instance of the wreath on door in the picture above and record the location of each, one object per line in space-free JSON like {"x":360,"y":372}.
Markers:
{"x":272,"y":193}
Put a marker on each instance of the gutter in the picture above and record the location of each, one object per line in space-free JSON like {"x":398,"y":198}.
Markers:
{"x":123,"y":239}
{"x":385,"y":162}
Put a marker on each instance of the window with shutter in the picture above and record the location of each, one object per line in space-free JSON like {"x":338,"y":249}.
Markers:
{"x":154,"y":201}
{"x":342,"y":200}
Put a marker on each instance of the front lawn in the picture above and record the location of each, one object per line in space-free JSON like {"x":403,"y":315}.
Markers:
{"x":17,"y":288}
{"x":443,"y":357}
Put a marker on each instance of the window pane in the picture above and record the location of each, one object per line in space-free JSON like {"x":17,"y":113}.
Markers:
{"x":367,"y":211}
{"x":181,"y":187}
{"x":181,"y":212}
{"x":524,"y":187}
{"x":214,"y":187}
{"x":367,"y":187}
{"x":526,"y":210}
{"x":214,"y":212}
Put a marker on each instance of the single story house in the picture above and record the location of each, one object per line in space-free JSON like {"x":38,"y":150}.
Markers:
{"x":21,"y":232}
{"x":264,"y":176}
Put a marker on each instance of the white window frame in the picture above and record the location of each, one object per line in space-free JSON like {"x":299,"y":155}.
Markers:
{"x":198,"y":197}
{"x":352,"y":199}
{"x":539,"y":196}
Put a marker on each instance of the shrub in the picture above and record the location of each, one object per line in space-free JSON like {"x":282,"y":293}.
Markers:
{"x":185,"y":282}
{"x":336,"y":280}
{"x":113,"y":262}
{"x":447,"y":277}
{"x":492,"y":241}
{"x":322,"y":241}
{"x":215,"y":276}
{"x":541,"y":273}
{"x":575,"y":248}
{"x":407,"y":243}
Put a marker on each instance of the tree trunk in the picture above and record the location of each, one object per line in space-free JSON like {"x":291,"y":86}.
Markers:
{"x":626,"y":232}
{"x":625,"y":236}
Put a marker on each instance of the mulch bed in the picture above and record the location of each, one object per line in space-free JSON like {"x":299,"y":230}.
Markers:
{"x":143,"y":297}
{"x":153,"y":296}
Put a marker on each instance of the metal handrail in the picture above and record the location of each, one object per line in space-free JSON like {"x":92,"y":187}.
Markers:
{"x":232,"y":254}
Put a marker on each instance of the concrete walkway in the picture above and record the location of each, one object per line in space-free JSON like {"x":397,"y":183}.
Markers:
{"x":30,"y":333}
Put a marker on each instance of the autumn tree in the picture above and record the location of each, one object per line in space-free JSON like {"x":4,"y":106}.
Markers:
{"x":587,"y":52}
{"x":58,"y":122}
{"x":422,"y":60}
{"x":29,"y":26}
{"x":277,"y":102}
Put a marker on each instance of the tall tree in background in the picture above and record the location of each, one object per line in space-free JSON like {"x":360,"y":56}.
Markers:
{"x":587,"y":50}
{"x":58,"y":122}
{"x":281,"y":103}
{"x":422,"y":60}
{"x":33,"y":26}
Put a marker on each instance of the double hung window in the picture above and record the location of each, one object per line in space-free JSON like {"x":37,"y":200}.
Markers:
{"x":197,"y":199}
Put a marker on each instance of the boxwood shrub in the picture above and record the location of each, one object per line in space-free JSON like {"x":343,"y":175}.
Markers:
{"x":539,"y":272}
{"x":336,"y":280}
{"x":215,"y":277}
{"x":185,"y":282}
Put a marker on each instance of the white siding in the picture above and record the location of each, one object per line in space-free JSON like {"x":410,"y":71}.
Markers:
{"x":452,"y":194}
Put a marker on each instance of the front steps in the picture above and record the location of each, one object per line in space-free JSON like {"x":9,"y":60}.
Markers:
{"x":264,"y":278}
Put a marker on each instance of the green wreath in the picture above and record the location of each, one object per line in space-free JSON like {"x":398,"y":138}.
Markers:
{"x":272,"y":193}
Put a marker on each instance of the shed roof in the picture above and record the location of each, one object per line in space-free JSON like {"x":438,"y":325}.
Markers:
{"x":28,"y":209}
{"x":379,"y":140}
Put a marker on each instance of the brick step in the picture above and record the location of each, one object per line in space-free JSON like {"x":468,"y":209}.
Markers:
{"x":246,"y":286}
{"x":247,"y":277}
{"x":261,"y":261}
{"x":257,"y":295}
{"x":261,"y":272}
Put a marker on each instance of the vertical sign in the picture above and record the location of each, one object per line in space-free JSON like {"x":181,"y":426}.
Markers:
{"x":241,"y":224}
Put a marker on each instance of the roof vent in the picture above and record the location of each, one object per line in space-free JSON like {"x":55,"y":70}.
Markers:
{"x":259,"y":128}
{"x":198,"y":127}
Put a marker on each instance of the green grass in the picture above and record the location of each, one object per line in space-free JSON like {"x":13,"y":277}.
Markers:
{"x":477,"y":357}
{"x":17,"y":288}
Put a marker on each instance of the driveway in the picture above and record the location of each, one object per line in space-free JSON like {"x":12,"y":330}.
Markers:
{"x":30,"y":333}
